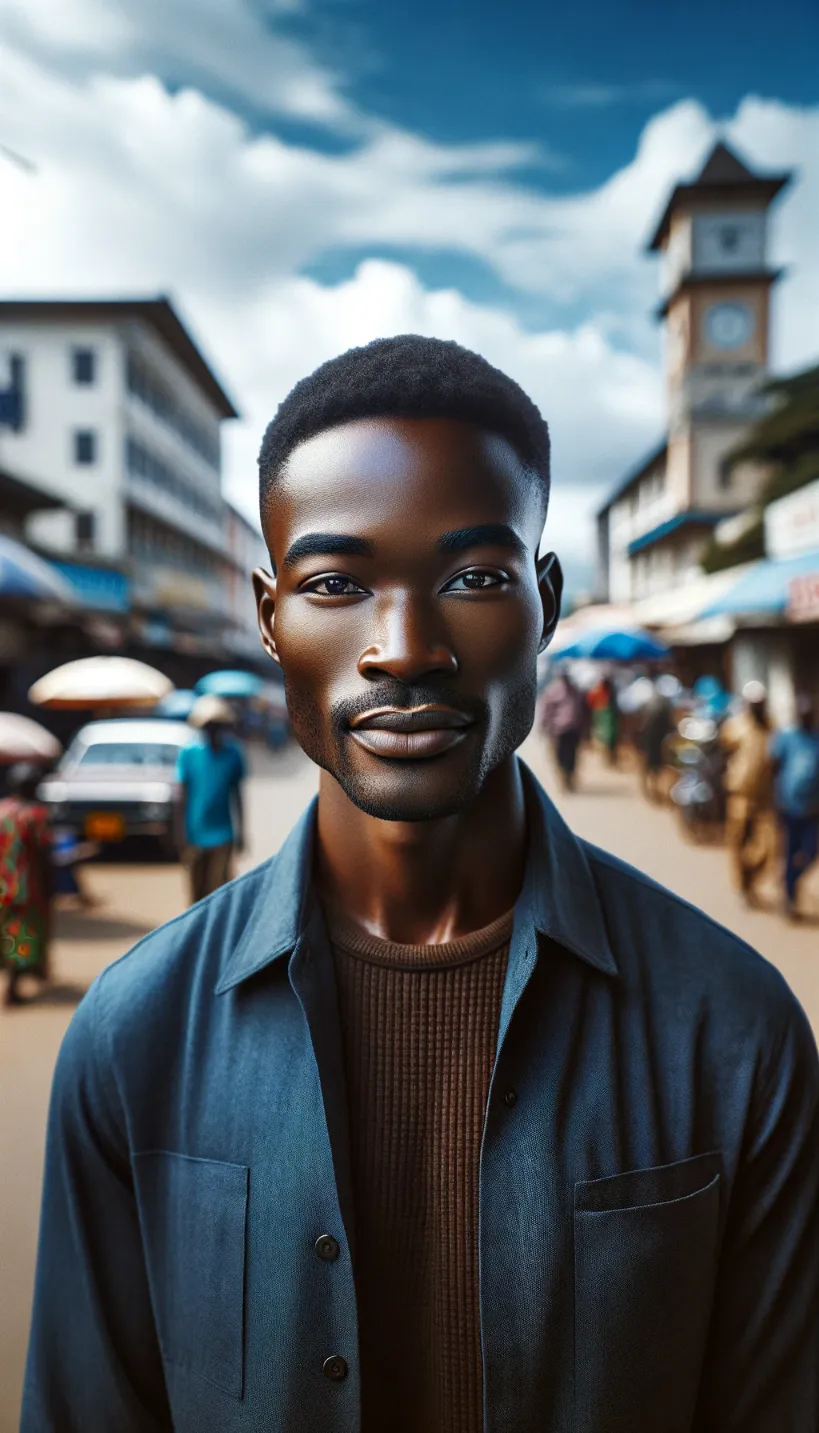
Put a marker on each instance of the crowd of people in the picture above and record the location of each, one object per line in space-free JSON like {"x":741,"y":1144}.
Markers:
{"x":759,"y":784}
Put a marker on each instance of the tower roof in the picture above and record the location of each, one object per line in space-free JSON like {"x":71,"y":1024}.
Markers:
{"x":722,"y":176}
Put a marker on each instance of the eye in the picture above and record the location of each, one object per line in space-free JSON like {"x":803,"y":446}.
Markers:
{"x":334,"y":584}
{"x":476,"y":579}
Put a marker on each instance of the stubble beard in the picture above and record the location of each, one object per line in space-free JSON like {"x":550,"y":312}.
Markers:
{"x":327,"y":742}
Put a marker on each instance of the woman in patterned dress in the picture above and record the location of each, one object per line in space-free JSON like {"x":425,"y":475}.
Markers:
{"x":24,"y":880}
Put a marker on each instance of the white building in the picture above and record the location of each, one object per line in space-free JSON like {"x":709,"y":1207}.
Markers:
{"x":246,"y":550}
{"x":716,"y":299}
{"x":116,"y":417}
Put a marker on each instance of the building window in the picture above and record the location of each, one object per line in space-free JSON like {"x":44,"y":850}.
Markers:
{"x":725,"y":475}
{"x":144,"y":465}
{"x":155,"y":394}
{"x":85,"y":446}
{"x":86,"y":530}
{"x":84,"y":366}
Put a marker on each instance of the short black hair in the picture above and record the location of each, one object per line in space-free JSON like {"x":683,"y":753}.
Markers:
{"x":406,"y":377}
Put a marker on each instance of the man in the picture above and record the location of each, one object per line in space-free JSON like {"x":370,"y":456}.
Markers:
{"x":795,"y":756}
{"x":210,"y":816}
{"x":563,"y":716}
{"x":442,"y":1121}
{"x":748,"y":782}
{"x":655,"y":725}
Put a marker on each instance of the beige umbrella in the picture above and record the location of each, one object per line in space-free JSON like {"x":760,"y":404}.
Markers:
{"x":22,"y":739}
{"x":114,"y":683}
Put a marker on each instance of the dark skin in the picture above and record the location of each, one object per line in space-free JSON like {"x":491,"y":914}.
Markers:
{"x":407,"y":613}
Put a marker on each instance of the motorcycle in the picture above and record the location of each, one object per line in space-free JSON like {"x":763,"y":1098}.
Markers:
{"x":698,"y":791}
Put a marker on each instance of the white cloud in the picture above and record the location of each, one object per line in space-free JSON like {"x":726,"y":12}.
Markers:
{"x":602,"y":406}
{"x":208,"y":43}
{"x":141,"y":190}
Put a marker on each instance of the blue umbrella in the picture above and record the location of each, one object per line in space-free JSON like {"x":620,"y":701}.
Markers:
{"x":177,"y":704}
{"x":633,"y":646}
{"x":232,"y":686}
{"x":24,"y":574}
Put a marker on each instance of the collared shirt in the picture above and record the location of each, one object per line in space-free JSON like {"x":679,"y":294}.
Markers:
{"x":210,"y":776}
{"x":649,"y":1199}
{"x":796,"y":754}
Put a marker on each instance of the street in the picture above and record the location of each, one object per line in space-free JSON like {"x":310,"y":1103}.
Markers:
{"x":607,"y":809}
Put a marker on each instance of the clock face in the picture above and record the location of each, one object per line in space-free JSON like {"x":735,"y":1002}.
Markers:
{"x":724,"y":242}
{"x":729,"y":325}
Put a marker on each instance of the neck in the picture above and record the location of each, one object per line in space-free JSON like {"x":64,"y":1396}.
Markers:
{"x":424,"y":882}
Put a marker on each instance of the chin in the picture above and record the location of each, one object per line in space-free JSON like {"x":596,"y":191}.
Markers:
{"x":423,"y":794}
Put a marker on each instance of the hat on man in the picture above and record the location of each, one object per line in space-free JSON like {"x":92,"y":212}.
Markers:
{"x":211,"y":711}
{"x":754,"y":693}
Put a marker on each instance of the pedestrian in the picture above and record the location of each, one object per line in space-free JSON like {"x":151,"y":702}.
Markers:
{"x":606,"y":718}
{"x":25,"y":880}
{"x":655,"y":724}
{"x":442,"y":1119}
{"x":211,"y":816}
{"x":748,"y":784}
{"x":562,"y":715}
{"x":795,"y":756}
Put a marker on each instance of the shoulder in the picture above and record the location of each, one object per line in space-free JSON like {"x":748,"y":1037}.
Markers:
{"x":155,"y":988}
{"x":781,"y":740}
{"x":689,"y":966}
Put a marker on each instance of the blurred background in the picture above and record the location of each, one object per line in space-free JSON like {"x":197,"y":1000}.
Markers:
{"x":199,"y":204}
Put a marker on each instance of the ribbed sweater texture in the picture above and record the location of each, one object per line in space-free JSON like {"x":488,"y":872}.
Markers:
{"x":419,"y":1028}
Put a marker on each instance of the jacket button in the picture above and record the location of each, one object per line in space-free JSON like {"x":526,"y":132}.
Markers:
{"x":326,"y":1248}
{"x":335,"y":1368}
{"x":510,"y":1098}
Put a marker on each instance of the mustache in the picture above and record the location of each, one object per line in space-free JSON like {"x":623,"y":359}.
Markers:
{"x":392,"y":693}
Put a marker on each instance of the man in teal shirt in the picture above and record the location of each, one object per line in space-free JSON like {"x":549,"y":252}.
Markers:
{"x":210,"y":775}
{"x":795,"y":755}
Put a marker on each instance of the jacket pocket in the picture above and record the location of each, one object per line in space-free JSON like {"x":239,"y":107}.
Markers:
{"x":193,"y":1214}
{"x":645,"y":1245}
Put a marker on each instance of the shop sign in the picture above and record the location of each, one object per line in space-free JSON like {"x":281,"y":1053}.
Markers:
{"x":792,"y":522}
{"x":803,"y":598}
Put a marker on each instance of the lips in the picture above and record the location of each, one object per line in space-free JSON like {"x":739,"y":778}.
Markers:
{"x":410,"y":734}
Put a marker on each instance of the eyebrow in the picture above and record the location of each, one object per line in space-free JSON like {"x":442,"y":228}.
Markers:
{"x":327,"y":544}
{"x":488,"y":534}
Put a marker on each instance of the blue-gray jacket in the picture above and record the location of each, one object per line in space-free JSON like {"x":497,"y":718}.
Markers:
{"x":649,"y":1205}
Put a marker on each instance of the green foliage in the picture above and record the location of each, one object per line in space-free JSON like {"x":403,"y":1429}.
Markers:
{"x":746,"y":548}
{"x":786,"y":438}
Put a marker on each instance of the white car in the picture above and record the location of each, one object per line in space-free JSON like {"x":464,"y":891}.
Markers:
{"x":118,"y":779}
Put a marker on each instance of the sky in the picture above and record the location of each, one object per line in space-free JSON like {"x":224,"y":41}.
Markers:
{"x":305,"y":175}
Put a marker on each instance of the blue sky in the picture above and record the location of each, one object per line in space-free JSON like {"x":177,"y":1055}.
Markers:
{"x":303,"y":175}
{"x":583,"y":79}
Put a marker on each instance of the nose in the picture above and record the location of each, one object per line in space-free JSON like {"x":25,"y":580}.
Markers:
{"x":410,"y":644}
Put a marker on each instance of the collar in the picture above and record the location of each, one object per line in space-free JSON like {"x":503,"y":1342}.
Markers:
{"x":559,"y":897}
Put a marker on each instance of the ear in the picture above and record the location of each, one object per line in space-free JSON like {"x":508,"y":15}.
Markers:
{"x":264,"y":587}
{"x":550,"y":586}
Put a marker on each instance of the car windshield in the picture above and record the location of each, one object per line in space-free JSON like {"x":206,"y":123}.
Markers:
{"x":130,"y":753}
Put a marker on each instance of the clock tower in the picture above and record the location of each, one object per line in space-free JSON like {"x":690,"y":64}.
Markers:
{"x":717,"y":285}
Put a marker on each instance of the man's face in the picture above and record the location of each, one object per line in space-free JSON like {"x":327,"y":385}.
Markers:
{"x":408,"y":608}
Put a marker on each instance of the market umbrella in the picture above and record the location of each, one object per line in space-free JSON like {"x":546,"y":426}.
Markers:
{"x":177,"y":704}
{"x":22,"y":739}
{"x":110,"y":682}
{"x":616,"y":646}
{"x":231,"y":685}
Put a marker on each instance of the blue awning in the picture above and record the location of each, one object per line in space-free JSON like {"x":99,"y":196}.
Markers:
{"x":764,"y":589}
{"x":102,"y":589}
{"x":692,"y":518}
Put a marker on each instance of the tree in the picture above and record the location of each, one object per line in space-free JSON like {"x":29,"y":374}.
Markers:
{"x":784,"y":441}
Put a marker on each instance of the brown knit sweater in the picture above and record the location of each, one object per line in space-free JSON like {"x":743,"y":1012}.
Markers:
{"x":419,"y":1027}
